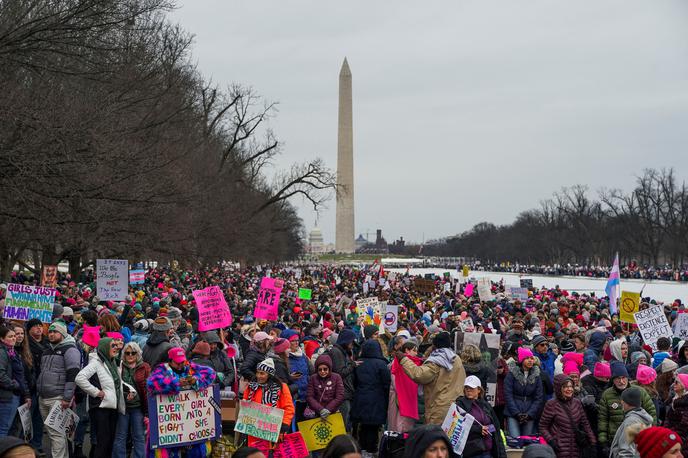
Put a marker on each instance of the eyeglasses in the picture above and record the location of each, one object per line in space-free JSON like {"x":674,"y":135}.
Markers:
{"x":130,"y":353}
{"x":323,"y":369}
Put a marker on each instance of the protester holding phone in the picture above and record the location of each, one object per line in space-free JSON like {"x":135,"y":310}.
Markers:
{"x":484,"y":437}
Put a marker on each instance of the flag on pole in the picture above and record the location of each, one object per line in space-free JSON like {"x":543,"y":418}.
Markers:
{"x":613,"y":287}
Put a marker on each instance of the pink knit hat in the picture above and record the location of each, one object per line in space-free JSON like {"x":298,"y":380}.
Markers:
{"x":570,"y":367}
{"x":602,"y":370}
{"x":524,"y":353}
{"x":91,"y":335}
{"x":573,"y":356}
{"x":281,"y":345}
{"x":684,"y":380}
{"x":645,"y":374}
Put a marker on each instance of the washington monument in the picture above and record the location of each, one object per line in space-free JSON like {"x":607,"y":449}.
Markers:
{"x":344,"y":242}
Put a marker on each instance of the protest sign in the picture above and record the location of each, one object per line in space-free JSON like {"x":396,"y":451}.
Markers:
{"x":391,"y":276}
{"x":370,"y":308}
{"x":468,"y":290}
{"x":424,"y":285}
{"x":484,"y":289}
{"x":526,"y":283}
{"x":23,"y":302}
{"x":24,"y":412}
{"x":268,"y":298}
{"x":516,"y":292}
{"x":488,"y":344}
{"x":391,"y":318}
{"x":213,"y":312}
{"x":62,"y":420}
{"x":49,"y":276}
{"x":320,"y":431}
{"x":467,"y":325}
{"x":447,"y":275}
{"x":653,"y":324}
{"x":457,"y":424}
{"x":466,"y":270}
{"x":292,"y":446}
{"x":185,"y":418}
{"x":137,"y":277}
{"x":112,"y":279}
{"x":630,"y":304}
{"x":681,"y":326}
{"x":305,"y":294}
{"x":259,"y":420}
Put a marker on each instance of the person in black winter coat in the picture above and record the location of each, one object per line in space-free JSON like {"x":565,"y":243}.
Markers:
{"x":480,"y":443}
{"x":369,"y":408}
{"x":255,"y":355}
{"x":343,"y":364}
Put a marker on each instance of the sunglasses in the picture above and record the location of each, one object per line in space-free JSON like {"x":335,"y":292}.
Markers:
{"x":323,"y":369}
{"x":130,"y":353}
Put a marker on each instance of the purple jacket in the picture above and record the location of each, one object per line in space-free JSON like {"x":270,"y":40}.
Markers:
{"x":325,"y":393}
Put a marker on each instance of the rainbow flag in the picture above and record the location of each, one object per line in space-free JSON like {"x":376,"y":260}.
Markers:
{"x":613,"y":288}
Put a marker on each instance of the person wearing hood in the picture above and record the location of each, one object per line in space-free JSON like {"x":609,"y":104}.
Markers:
{"x":158,"y":344}
{"x":610,"y":412}
{"x":343,"y":364}
{"x":635,"y":419}
{"x":224,"y":370}
{"x":524,"y":394}
{"x":428,"y":441}
{"x":546,"y":356}
{"x":619,"y":350}
{"x":677,"y":414}
{"x":265,"y":388}
{"x":257,"y":352}
{"x":135,"y":372}
{"x":484,"y":437}
{"x":102,"y":381}
{"x":371,"y":395}
{"x":637,"y":358}
{"x":246,"y":337}
{"x":441,"y":374}
{"x":563,"y":418}
{"x":141,"y":334}
{"x":596,"y":346}
{"x":325,"y":391}
{"x":300,"y":370}
{"x":682,"y":353}
{"x":60,"y":364}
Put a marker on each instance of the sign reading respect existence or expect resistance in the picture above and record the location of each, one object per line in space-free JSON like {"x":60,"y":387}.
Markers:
{"x":23,"y":302}
{"x":653,"y":324}
{"x":187,"y":417}
{"x":213,"y":312}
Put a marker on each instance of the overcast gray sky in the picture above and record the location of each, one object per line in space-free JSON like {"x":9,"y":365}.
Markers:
{"x":464,"y":111}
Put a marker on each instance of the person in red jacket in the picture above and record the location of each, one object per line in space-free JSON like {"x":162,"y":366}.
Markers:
{"x":266,"y":389}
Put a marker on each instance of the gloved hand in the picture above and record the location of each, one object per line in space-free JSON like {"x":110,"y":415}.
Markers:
{"x":324,"y":413}
{"x":286,"y":429}
{"x":522,"y":418}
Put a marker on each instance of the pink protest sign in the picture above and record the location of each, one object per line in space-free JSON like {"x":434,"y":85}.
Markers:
{"x":292,"y":446}
{"x":213,"y":312}
{"x":468,"y":291}
{"x":268,"y":298}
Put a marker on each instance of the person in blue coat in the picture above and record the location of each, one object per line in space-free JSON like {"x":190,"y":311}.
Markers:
{"x":595,"y":350}
{"x":300,"y":369}
{"x":524,"y":394}
{"x":547,"y":359}
{"x":371,"y":396}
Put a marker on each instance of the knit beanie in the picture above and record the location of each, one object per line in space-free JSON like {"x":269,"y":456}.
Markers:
{"x":369,"y":330}
{"x":632,"y":396}
{"x":645,"y":374}
{"x":602,"y":370}
{"x":60,"y":327}
{"x":202,"y":348}
{"x":267,"y":365}
{"x":524,"y":353}
{"x":618,"y":369}
{"x":162,"y":324}
{"x":636,"y":355}
{"x":570,"y":367}
{"x":33,"y":322}
{"x":91,"y":335}
{"x":281,"y":345}
{"x":655,"y":441}
{"x":575,"y":357}
{"x":683,"y":378}
{"x":668,"y":365}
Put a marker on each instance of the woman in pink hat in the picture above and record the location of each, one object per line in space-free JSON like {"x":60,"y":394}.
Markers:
{"x":523,"y":393}
{"x":677,"y":415}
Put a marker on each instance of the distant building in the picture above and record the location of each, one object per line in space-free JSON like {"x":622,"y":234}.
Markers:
{"x":316,"y":242}
{"x":361,"y":242}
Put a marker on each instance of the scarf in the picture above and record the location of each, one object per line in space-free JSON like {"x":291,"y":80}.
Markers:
{"x":111,"y":365}
{"x":271,"y":392}
{"x":406,"y":389}
{"x":10,"y":351}
{"x":443,"y":357}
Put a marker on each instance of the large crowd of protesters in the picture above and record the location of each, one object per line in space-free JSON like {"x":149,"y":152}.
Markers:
{"x":569,"y":376}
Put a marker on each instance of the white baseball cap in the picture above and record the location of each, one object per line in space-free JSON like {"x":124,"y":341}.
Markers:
{"x":472,"y":382}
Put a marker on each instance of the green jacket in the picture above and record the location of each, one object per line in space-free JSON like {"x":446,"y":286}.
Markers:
{"x":611,"y":413}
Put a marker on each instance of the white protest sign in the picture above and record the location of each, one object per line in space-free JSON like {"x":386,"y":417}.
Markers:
{"x":24,"y":412}
{"x":457,"y":424}
{"x":653,"y":324}
{"x":391,"y":318}
{"x":62,"y":420}
{"x":112,"y":279}
{"x":484,"y":289}
{"x":516,"y":292}
{"x":681,"y":326}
